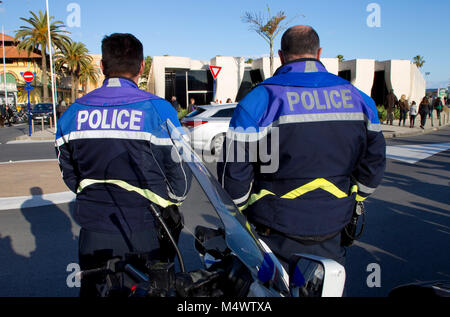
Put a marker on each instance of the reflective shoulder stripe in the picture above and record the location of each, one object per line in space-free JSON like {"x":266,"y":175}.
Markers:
{"x":315,"y":184}
{"x":146,"y":193}
{"x":255,"y":197}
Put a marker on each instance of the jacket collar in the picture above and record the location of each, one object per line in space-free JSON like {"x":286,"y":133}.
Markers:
{"x":119,"y":82}
{"x":302,"y":65}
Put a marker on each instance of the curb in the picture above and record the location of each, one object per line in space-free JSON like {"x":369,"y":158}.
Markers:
{"x":11,"y":203}
{"x":390,"y":135}
{"x":30,"y":141}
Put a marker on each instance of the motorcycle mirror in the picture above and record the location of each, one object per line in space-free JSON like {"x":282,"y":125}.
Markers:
{"x":315,"y":276}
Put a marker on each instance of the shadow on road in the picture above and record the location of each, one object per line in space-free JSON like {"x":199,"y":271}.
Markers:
{"x":409,"y":239}
{"x":43,"y":273}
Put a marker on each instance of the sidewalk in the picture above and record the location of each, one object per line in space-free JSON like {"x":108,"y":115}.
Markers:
{"x":394,"y":131}
{"x":47,"y":135}
{"x":17,"y":178}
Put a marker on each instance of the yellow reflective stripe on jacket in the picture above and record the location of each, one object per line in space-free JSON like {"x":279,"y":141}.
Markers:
{"x":315,"y":184}
{"x":146,"y":193}
{"x":255,"y":197}
{"x":360,"y":198}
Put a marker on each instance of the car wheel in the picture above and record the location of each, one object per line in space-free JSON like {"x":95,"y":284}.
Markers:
{"x":217,"y":143}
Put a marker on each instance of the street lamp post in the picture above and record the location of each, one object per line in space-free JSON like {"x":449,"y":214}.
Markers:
{"x":51,"y":64}
{"x":4,"y":66}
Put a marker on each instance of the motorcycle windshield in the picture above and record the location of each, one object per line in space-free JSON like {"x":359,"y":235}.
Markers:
{"x":240,"y":237}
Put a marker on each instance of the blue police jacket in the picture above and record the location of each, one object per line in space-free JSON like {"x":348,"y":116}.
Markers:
{"x":303,"y":146}
{"x":115,"y":154}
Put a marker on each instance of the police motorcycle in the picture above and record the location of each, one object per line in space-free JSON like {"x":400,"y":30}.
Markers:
{"x":236,"y":262}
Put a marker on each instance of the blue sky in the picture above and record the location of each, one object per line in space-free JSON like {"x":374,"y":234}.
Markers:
{"x":203,"y":29}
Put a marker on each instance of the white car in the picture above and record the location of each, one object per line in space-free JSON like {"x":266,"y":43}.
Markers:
{"x":208,"y":126}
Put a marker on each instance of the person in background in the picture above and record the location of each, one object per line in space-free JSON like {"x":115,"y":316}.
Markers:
{"x":2,"y":115}
{"x":61,"y":108}
{"x":438,"y":106}
{"x":229,"y":100}
{"x":175,"y":103}
{"x":424,"y":111}
{"x":192,"y":106}
{"x":430,"y":110}
{"x":404,"y":108}
{"x":9,"y":115}
{"x":412,"y":114}
{"x":390,"y":103}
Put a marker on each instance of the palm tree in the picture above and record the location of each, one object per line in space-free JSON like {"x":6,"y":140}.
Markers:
{"x":144,"y":77}
{"x":267,"y":27}
{"x":35,"y":36}
{"x":89,"y":74}
{"x":340,"y":57}
{"x":73,"y":59}
{"x":419,"y":61}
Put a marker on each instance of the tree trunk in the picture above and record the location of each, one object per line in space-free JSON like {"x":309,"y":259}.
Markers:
{"x":44,"y":74}
{"x":271,"y":57}
{"x":72,"y":92}
{"x":77,"y":84}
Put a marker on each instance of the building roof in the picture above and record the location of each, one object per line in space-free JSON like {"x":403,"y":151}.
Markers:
{"x":11,"y":51}
{"x":8,"y":38}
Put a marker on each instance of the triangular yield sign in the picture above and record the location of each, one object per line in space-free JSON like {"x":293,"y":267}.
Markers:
{"x":215,"y":70}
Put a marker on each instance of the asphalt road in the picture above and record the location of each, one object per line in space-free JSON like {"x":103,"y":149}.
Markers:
{"x":28,"y":151}
{"x":407,"y":232}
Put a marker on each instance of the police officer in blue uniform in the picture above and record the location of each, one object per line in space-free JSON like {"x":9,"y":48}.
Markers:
{"x":303,"y":146}
{"x":115,"y":156}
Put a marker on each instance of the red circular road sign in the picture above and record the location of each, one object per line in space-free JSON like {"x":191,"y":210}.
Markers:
{"x":28,"y":76}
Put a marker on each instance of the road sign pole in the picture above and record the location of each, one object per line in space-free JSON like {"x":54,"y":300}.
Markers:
{"x":214,"y":90}
{"x":29,"y":113}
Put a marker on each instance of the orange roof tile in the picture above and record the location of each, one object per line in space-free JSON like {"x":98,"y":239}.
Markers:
{"x":13,"y":52}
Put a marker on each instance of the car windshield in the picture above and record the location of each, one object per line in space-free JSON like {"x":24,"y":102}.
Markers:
{"x":42,"y":107}
{"x":240,"y":237}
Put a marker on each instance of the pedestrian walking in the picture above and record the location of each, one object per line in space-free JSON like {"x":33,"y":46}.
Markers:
{"x":424,"y":110}
{"x":413,"y":110}
{"x":438,"y":106}
{"x":430,"y":110}
{"x":404,"y":108}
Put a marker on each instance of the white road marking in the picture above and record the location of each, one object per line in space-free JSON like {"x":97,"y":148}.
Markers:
{"x":29,"y":141}
{"x":10,"y":203}
{"x":415,"y":153}
{"x":28,"y":161}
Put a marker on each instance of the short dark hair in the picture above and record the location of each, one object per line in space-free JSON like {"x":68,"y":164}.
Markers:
{"x":300,"y":41}
{"x":122,"y":53}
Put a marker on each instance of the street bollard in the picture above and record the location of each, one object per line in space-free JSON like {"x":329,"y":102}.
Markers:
{"x":32,"y":126}
{"x":51,"y":122}
{"x":42,"y":124}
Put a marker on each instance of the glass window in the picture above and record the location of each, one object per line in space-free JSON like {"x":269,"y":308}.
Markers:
{"x":250,"y":80}
{"x":200,"y":80}
{"x":225,"y":113}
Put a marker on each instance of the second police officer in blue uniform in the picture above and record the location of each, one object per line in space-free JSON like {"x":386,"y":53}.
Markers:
{"x":297,"y":145}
